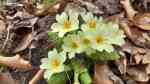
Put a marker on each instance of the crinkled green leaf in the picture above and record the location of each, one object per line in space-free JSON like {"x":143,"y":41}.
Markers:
{"x":59,"y":78}
{"x":85,"y":78}
{"x":77,"y":66}
{"x":81,"y":72}
{"x":104,"y":56}
{"x":58,"y":41}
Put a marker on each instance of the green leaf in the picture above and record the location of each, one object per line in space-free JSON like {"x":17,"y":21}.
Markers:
{"x":53,"y":35}
{"x":85,"y":78}
{"x":49,"y":2}
{"x":59,"y":78}
{"x":77,"y":66}
{"x":58,"y":41}
{"x":104,"y":56}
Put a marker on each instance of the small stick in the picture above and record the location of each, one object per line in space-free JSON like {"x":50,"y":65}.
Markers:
{"x":129,"y":9}
{"x":15,"y":62}
{"x":37,"y":77}
{"x":7,"y":38}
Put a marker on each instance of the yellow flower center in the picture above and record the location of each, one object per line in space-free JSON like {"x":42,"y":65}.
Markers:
{"x":67,"y":24}
{"x":56,"y":64}
{"x":75,"y":45}
{"x":86,"y":41}
{"x":92,"y":24}
{"x":99,"y":39}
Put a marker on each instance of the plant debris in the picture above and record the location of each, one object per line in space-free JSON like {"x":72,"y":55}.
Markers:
{"x":25,"y":39}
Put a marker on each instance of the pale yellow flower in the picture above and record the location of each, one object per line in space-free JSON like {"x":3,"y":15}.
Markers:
{"x":100,"y":41}
{"x":54,"y":63}
{"x":72,"y":45}
{"x":65,"y":23}
{"x":91,"y":22}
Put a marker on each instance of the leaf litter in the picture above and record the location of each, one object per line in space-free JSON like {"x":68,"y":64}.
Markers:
{"x":24,"y":27}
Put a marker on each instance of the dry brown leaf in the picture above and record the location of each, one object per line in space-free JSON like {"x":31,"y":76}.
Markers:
{"x":115,"y":18}
{"x":131,"y":81}
{"x":143,"y":83}
{"x":101,"y":75}
{"x":137,"y":58}
{"x":147,"y":69}
{"x":75,"y":8}
{"x":135,"y":35}
{"x":136,"y":53}
{"x":122,"y":65}
{"x":138,"y":50}
{"x":142,"y":21}
{"x":52,"y":9}
{"x":128,"y":8}
{"x":26,"y":41}
{"x":127,"y":47}
{"x":6,"y":78}
{"x":15,"y":62}
{"x":137,"y":74}
{"x":2,"y":26}
{"x":146,"y":58}
{"x":90,"y":6}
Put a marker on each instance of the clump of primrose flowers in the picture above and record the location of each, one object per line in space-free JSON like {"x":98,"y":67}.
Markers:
{"x":88,"y":34}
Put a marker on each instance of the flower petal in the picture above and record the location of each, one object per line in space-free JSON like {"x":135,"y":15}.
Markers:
{"x":44,"y":60}
{"x":61,"y":18}
{"x":44,"y":66}
{"x":56,"y":27}
{"x":89,"y":16}
{"x":52,"y":53}
{"x":48,"y":74}
{"x":63,"y":56}
{"x":61,"y":34}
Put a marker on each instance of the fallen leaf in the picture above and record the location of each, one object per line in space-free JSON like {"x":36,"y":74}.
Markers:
{"x":101,"y":75}
{"x":143,"y":83}
{"x":128,"y":8}
{"x":26,"y":41}
{"x":135,"y":53}
{"x":15,"y":62}
{"x":90,"y":6}
{"x":138,"y":50}
{"x":146,"y":57}
{"x":135,"y":35}
{"x":142,"y":21}
{"x":122,"y":65}
{"x":131,"y":81}
{"x":6,"y":78}
{"x":137,"y":58}
{"x":75,"y":8}
{"x":137,"y":74}
{"x":26,"y":22}
{"x":115,"y":18}
{"x":108,"y":7}
{"x":127,"y":47}
{"x":147,"y":69}
{"x":2,"y":26}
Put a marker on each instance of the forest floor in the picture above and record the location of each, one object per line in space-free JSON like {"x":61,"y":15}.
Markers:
{"x":24,"y":40}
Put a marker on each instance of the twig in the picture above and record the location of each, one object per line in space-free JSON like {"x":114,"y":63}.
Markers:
{"x":37,"y":77}
{"x":7,"y":38}
{"x":15,"y":62}
{"x":129,"y":9}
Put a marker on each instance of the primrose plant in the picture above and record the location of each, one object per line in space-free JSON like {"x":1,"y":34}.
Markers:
{"x":80,"y":34}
